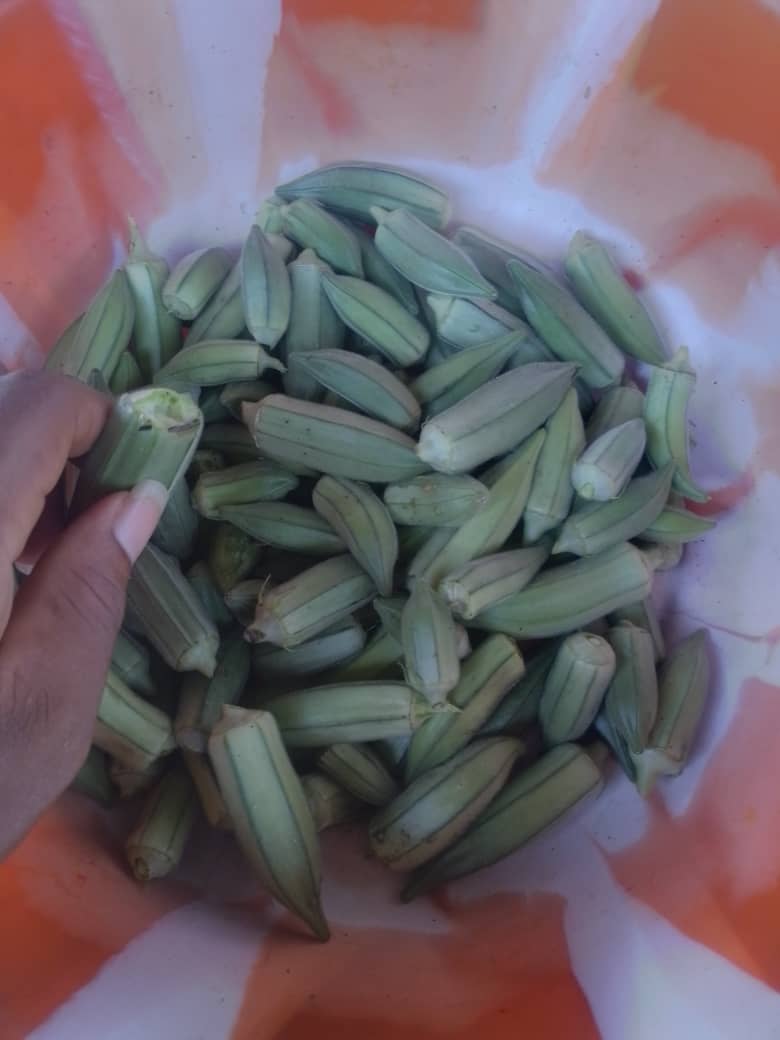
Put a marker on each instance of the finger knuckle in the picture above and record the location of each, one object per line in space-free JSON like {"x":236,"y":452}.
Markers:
{"x":95,"y":595}
{"x":25,"y":706}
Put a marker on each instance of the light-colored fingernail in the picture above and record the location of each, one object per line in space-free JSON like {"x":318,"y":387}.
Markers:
{"x":136,"y":523}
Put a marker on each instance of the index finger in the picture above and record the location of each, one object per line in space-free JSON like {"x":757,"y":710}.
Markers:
{"x":45,"y":420}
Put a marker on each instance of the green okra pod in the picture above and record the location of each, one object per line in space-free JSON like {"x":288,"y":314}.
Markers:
{"x":426,"y":258}
{"x":495,"y":418}
{"x":150,"y":434}
{"x":309,"y":603}
{"x":603,"y":470}
{"x":437,"y":808}
{"x":571,"y":595}
{"x":355,"y":188}
{"x":598,"y":526}
{"x":269,"y":811}
{"x":550,"y":498}
{"x":156,"y":844}
{"x":575,"y":686}
{"x":566,"y":327}
{"x":129,"y":728}
{"x":194,"y":281}
{"x":362,"y":523}
{"x":351,"y":713}
{"x":683,"y":688}
{"x":265,"y":289}
{"x":156,"y":332}
{"x":666,"y":418}
{"x":171,"y":615}
{"x":604,"y":292}
{"x":360,"y":771}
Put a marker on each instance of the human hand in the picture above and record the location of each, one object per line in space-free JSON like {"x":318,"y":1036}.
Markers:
{"x":57,"y":633}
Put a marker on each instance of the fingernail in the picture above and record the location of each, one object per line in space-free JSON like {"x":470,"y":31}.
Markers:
{"x":136,"y":523}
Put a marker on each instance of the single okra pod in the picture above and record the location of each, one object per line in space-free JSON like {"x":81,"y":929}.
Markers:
{"x":363,"y":523}
{"x":232,"y":556}
{"x":435,"y":500}
{"x":129,"y":728}
{"x":682,"y":695}
{"x":666,"y":417}
{"x":101,"y":336}
{"x":223,"y":316}
{"x":155,"y":846}
{"x":520,"y":705}
{"x":571,"y":595}
{"x":566,"y":327}
{"x":173,"y":618}
{"x":200,"y":578}
{"x":332,"y":647}
{"x":545,"y":792}
{"x":331,"y":440}
{"x":597,"y":526}
{"x":351,"y":713}
{"x":378,"y":318}
{"x":194,"y":281}
{"x":213,"y":362}
{"x":270,"y":814}
{"x":675,"y":526}
{"x":439,"y":807}
{"x":355,"y":188}
{"x":156,"y":332}
{"x":631,"y":703}
{"x":364,"y":383}
{"x":311,"y":602}
{"x":312,"y":227}
{"x":550,"y":498}
{"x":604,"y":292}
{"x":201,"y":700}
{"x":429,"y":641}
{"x":489,"y":579}
{"x":132,"y":662}
{"x":495,"y":418}
{"x":360,"y":771}
{"x":603,"y":470}
{"x":150,"y":434}
{"x":444,"y":384}
{"x":260,"y":481}
{"x":485,"y":679}
{"x":575,"y":686}
{"x":314,"y":324}
{"x":283,"y":526}
{"x":329,"y":803}
{"x":265,"y":289}
{"x":425,"y":257}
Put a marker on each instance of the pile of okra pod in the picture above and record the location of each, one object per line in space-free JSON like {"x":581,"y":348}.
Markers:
{"x":416,"y":504}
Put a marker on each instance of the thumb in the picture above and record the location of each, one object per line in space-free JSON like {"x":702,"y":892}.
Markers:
{"x":55,"y":652}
